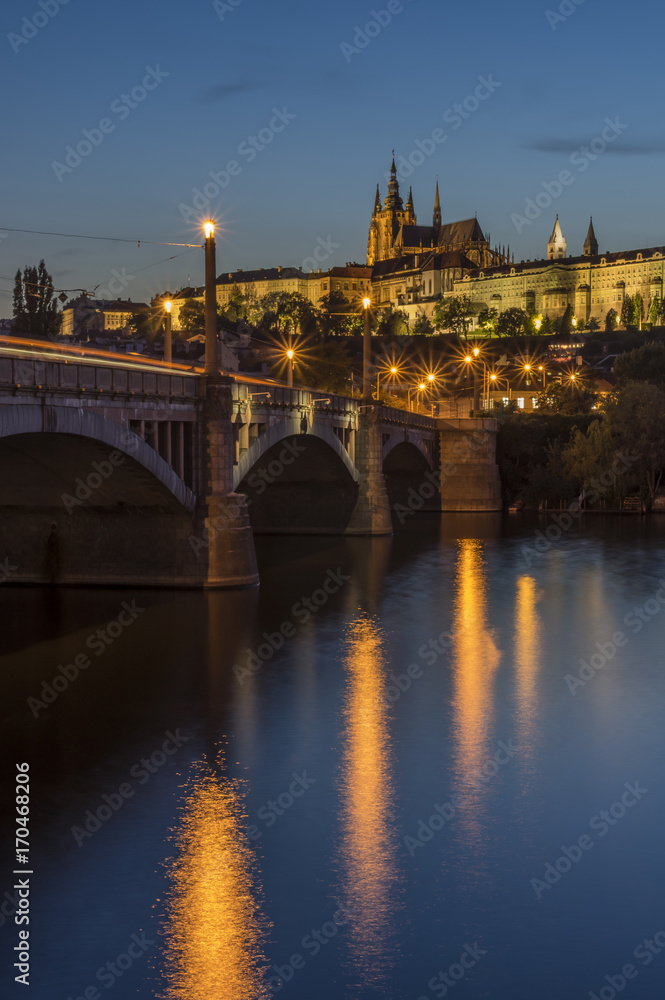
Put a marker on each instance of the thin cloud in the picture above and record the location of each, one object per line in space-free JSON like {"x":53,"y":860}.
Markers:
{"x":211,"y":95}
{"x":625,"y":147}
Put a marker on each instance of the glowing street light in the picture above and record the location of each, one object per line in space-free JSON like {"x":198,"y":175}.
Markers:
{"x":167,"y":331}
{"x":290,"y":355}
{"x":211,"y":363}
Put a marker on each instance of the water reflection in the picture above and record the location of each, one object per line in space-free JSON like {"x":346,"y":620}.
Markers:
{"x":476,"y":658}
{"x":214,"y":926}
{"x":368,"y":851}
{"x":527,"y":660}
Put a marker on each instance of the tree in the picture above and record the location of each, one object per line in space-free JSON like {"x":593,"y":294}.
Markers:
{"x":627,"y":311}
{"x":453,"y":314}
{"x":423,"y":326}
{"x":393,"y":323}
{"x":192,"y":316}
{"x":236,"y":307}
{"x":35,"y":306}
{"x":655,"y":310}
{"x":636,"y":421}
{"x":569,"y":399}
{"x":644,"y":364}
{"x":566,"y":324}
{"x":487,"y":320}
{"x":333,"y":320}
{"x":638,"y":310}
{"x":512,"y":322}
{"x":611,"y":321}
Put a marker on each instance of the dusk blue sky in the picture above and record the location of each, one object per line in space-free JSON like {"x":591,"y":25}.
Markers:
{"x":228,"y":70}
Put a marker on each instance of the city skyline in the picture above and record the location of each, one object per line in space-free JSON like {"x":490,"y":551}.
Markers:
{"x":222,"y":111}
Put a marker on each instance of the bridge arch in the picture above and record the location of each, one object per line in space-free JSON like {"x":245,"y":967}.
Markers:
{"x":298,"y":483}
{"x":280,"y":432}
{"x":60,"y":445}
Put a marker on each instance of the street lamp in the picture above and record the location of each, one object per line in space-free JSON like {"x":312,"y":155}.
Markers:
{"x":367,"y":354}
{"x":167,"y":331}
{"x":290,"y":354}
{"x":393,"y":370}
{"x":211,"y":363}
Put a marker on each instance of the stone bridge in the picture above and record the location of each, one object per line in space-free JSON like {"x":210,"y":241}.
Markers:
{"x":116,"y":471}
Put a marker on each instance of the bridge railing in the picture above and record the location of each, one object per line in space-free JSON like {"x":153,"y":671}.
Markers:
{"x":69,"y":376}
{"x":270,"y":395}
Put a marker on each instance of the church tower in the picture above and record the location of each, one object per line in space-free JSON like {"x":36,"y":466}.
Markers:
{"x":591,"y":243}
{"x":387,"y":220}
{"x":557,"y":246}
{"x":436,"y":219}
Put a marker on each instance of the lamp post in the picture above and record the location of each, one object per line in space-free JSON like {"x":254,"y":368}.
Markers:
{"x":391,"y":371}
{"x":211,"y":363}
{"x":167,"y":332}
{"x":367,"y":354}
{"x":289,"y":367}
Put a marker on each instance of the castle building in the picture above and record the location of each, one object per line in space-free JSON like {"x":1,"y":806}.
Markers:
{"x":591,"y":284}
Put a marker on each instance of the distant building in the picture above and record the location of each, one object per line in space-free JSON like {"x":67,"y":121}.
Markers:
{"x":353,"y":282}
{"x":86,"y":317}
{"x":590,"y":284}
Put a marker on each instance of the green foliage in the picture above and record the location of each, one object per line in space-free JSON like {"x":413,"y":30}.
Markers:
{"x":322,"y":366}
{"x":512,"y":322}
{"x":567,"y":399}
{"x":566,"y":322}
{"x":611,"y":321}
{"x":35,"y":306}
{"x":454,"y":315}
{"x":487,"y":320}
{"x":192,"y":316}
{"x":635,"y":418}
{"x":655,"y":310}
{"x":393,"y":323}
{"x":529,"y":449}
{"x":644,"y":364}
{"x":423,"y":326}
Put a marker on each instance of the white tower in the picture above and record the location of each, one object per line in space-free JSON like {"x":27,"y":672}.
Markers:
{"x":557,"y":246}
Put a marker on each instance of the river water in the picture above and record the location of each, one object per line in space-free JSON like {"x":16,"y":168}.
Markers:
{"x":385,"y":773}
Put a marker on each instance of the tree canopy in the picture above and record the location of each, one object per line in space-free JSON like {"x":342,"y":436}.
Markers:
{"x":35,"y":305}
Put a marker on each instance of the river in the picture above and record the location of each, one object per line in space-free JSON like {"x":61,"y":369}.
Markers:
{"x":401,"y":768}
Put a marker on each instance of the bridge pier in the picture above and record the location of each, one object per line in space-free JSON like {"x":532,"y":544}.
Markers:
{"x":371,"y":515}
{"x":469,"y":473}
{"x":222,"y":516}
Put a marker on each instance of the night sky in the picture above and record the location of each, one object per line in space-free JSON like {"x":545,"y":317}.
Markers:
{"x":220,"y":72}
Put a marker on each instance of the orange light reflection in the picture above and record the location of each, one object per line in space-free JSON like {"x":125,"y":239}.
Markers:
{"x":214,"y":927}
{"x":368,"y":851}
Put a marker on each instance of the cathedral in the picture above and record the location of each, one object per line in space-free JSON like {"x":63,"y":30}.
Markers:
{"x":394,"y":232}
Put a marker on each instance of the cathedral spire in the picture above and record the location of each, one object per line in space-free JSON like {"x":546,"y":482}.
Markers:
{"x":436,"y":221}
{"x":393,"y":200}
{"x":409,"y":203}
{"x":591,"y":243}
{"x":377,"y":201}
